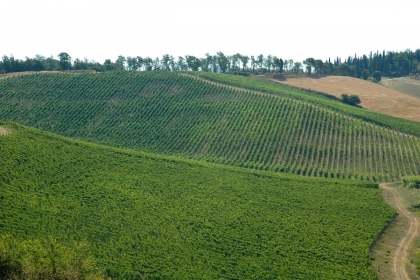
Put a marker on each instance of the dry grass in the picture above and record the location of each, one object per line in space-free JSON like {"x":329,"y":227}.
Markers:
{"x":405,"y":85}
{"x":374,"y":97}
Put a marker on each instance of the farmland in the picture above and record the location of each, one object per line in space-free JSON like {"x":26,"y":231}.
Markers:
{"x":261,"y":125}
{"x":155,"y":216}
{"x":404,"y":85}
{"x":375,"y":97}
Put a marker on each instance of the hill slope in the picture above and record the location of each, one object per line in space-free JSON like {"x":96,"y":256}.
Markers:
{"x":180,"y":115}
{"x":160,"y":217}
{"x":404,"y":85}
{"x":374,"y":96}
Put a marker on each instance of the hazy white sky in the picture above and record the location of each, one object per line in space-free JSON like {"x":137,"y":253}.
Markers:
{"x":292,"y":29}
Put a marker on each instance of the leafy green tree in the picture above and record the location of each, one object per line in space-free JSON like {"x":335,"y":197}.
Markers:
{"x":365,"y":74}
{"x":297,"y":67}
{"x":132,"y":64}
{"x":319,"y":66}
{"x":222,"y":62}
{"x":120,"y":62}
{"x":193,"y":62}
{"x":260,"y":60}
{"x":165,"y":62}
{"x":377,"y":76}
{"x":182,"y":64}
{"x":65,"y":61}
{"x":253,"y":63}
{"x":148,"y":63}
{"x":244,"y":60}
{"x":310,"y":63}
{"x":276,"y":63}
{"x":268,"y":63}
{"x":108,"y":65}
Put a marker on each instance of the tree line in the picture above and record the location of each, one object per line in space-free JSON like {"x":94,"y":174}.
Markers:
{"x":392,"y":64}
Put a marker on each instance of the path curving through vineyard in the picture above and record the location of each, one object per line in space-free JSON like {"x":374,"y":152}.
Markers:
{"x":400,"y":258}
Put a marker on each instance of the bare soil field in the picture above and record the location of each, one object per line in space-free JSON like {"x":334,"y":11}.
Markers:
{"x":404,"y":85}
{"x":374,"y":97}
{"x":3,"y":131}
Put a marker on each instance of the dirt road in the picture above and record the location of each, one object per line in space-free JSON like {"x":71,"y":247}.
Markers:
{"x":400,"y":259}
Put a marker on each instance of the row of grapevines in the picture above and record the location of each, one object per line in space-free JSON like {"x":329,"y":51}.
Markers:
{"x":181,"y":115}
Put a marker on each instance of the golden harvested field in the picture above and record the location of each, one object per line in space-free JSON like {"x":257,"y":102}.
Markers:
{"x":375,"y":97}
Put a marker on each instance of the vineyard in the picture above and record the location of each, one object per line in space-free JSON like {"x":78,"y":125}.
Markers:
{"x":158,"y":217}
{"x":175,"y":114}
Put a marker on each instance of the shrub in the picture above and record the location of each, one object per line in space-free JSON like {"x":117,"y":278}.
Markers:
{"x":46,"y":259}
{"x":351,"y":100}
{"x":411,"y":181}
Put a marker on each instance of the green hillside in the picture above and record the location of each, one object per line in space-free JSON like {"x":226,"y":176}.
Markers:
{"x":254,"y":83}
{"x":176,"y":114}
{"x":165,"y":218}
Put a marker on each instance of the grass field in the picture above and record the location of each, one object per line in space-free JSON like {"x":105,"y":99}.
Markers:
{"x":276,"y":129}
{"x":163,"y":217}
{"x":404,"y":85}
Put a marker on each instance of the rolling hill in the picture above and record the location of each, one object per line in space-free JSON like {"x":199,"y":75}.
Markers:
{"x":375,"y":97}
{"x":404,"y":85}
{"x":217,"y":118}
{"x":156,"y":217}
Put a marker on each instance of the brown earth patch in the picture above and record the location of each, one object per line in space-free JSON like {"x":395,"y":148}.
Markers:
{"x":374,"y":97}
{"x":3,"y":131}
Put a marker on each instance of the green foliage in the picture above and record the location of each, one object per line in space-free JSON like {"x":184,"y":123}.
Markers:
{"x":366,"y":74}
{"x":411,"y":181}
{"x":45,"y":259}
{"x":353,"y":100}
{"x":160,"y":217}
{"x":398,"y":124}
{"x":182,"y":115}
{"x":377,"y":76}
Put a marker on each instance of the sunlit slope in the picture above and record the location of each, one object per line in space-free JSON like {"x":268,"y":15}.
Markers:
{"x":180,"y":115}
{"x":266,"y":84}
{"x":374,"y":97}
{"x":163,"y":218}
{"x":404,"y":85}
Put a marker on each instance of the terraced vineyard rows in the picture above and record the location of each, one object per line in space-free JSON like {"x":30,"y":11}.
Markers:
{"x":175,"y":114}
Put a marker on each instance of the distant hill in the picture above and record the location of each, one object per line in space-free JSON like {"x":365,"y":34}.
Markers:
{"x":158,"y":217}
{"x":247,"y":122}
{"x":390,"y":100}
{"x":404,"y":85}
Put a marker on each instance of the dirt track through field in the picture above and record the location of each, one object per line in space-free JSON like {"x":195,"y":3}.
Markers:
{"x":374,"y":97}
{"x":400,"y":259}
